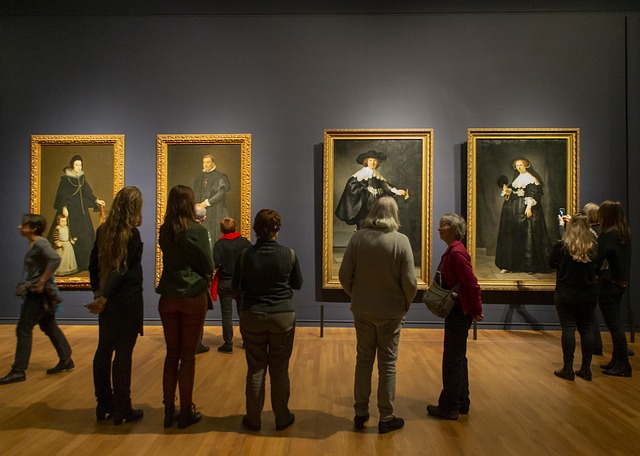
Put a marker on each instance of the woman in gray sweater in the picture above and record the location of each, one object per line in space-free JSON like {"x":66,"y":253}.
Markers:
{"x":40,"y":262}
{"x":378,"y":273}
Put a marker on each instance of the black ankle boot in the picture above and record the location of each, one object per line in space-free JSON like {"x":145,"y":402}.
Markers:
{"x":104,"y":410}
{"x":619,"y":370}
{"x":609,"y":365}
{"x":127,"y":416}
{"x":170,"y":415}
{"x":584,"y":372}
{"x":188,"y":416}
{"x":566,"y":372}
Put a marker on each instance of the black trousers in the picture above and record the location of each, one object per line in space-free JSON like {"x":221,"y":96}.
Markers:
{"x":576,"y":310}
{"x":609,"y":298}
{"x":33,"y":312}
{"x":455,"y":374}
{"x":113,"y":339}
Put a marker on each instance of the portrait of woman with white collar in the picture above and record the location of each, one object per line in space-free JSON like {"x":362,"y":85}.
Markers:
{"x":523,"y":244}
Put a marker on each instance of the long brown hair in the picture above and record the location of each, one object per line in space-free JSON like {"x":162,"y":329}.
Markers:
{"x":613,"y":220}
{"x":579,"y":239}
{"x":180,"y":211}
{"x":124,"y":216}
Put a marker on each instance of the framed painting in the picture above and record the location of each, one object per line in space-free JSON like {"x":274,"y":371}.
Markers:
{"x":74,"y":179}
{"x":217,"y":168}
{"x":519,"y":181}
{"x":402,"y":158}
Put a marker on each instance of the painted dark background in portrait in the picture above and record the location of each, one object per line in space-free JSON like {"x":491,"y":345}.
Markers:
{"x":402,"y":169}
{"x":494,"y":157}
{"x":98,"y":167}
{"x":184,"y":163}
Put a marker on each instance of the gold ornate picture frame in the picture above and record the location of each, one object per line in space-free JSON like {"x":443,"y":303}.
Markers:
{"x":180,"y":161}
{"x":406,"y":164}
{"x":518,"y":182}
{"x":59,"y":188}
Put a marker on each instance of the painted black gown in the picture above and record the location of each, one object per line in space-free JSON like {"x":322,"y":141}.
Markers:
{"x":523,"y":244}
{"x":75,"y":193}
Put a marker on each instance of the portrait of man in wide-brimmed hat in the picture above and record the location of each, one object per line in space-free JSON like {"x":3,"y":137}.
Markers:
{"x":363,"y":188}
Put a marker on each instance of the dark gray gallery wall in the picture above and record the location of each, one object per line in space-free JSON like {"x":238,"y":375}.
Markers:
{"x":286,"y":78}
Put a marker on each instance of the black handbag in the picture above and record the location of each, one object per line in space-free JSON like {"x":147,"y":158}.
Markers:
{"x":439,"y":300}
{"x":52,"y":298}
{"x":22,"y":288}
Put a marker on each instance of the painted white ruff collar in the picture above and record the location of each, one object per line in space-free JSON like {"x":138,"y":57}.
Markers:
{"x":70,"y":173}
{"x":523,"y":180}
{"x":367,"y":173}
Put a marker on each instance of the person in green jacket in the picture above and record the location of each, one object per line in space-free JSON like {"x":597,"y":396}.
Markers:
{"x":187,"y":267}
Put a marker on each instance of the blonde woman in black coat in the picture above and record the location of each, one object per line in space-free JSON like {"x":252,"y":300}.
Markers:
{"x":576,"y":294}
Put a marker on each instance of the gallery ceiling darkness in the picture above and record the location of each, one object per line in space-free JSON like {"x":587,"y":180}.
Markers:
{"x":286,"y":7}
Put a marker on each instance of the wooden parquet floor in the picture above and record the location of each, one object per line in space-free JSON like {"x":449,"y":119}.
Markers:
{"x":518,"y":406}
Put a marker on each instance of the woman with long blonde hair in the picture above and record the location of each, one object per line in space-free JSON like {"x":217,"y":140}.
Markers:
{"x":116,"y":278}
{"x":576,"y":295}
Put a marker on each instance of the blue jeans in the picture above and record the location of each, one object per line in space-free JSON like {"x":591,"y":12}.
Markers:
{"x":381,"y":337}
{"x":33,"y":312}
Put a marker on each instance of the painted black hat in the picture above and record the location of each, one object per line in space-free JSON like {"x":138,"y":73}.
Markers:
{"x":380,"y":156}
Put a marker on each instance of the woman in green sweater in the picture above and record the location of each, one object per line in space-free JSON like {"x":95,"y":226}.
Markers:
{"x":187,"y":267}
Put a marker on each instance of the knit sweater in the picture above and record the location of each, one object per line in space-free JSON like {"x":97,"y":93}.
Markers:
{"x":378,"y":273}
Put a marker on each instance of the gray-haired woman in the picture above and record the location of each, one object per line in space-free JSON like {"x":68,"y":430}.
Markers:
{"x":455,"y":268}
{"x":378,"y":272}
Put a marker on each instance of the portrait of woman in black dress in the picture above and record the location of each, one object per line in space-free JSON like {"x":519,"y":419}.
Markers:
{"x":523,"y":244}
{"x":74,"y":199}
